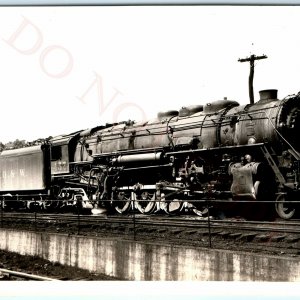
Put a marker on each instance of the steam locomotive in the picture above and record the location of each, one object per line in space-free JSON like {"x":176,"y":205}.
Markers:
{"x":221,"y":153}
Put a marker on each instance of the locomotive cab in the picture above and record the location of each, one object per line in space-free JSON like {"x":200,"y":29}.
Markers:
{"x":62,"y":153}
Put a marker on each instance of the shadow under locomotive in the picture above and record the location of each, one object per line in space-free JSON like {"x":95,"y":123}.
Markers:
{"x":241,"y":159}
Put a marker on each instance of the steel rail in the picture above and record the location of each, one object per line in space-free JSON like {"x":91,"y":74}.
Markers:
{"x":215,"y":225}
{"x":222,"y":224}
{"x":140,"y":217}
{"x":26,"y":275}
{"x":193,"y":222}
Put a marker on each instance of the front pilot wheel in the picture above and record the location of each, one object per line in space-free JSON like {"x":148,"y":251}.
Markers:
{"x":284,"y":210}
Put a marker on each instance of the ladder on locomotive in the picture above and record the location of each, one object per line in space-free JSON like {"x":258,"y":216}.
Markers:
{"x":269,"y":157}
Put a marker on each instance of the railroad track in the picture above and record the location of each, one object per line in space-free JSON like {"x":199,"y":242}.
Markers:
{"x":6,"y":274}
{"x":187,"y":222}
{"x":275,"y":237}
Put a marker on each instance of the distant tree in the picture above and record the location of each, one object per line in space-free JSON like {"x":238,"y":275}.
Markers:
{"x":22,"y":143}
{"x":19,"y":143}
{"x":9,"y":145}
{"x":39,"y":141}
{"x":2,"y":146}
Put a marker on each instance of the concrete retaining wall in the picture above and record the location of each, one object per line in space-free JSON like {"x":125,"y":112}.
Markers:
{"x":143,"y":261}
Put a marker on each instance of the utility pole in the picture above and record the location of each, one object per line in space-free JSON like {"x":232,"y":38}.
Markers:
{"x":251,"y":59}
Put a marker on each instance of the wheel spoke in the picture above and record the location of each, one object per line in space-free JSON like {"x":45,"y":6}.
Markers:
{"x":145,"y":202}
{"x":201,"y":212}
{"x":197,"y":209}
{"x":122,"y":201}
{"x":172,"y":207}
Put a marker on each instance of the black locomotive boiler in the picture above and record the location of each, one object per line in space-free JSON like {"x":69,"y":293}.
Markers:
{"x":219,"y":153}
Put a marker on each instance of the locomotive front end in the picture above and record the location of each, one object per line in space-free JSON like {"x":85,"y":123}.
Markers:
{"x":288,"y":122}
{"x":267,"y":132}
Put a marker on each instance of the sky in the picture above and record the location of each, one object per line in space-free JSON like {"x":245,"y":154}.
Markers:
{"x":63,"y":69}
